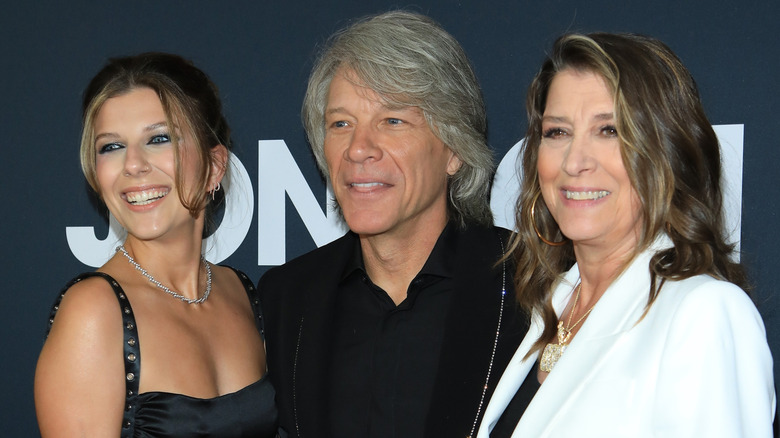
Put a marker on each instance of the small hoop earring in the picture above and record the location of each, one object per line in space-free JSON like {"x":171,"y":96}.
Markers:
{"x":533,"y":223}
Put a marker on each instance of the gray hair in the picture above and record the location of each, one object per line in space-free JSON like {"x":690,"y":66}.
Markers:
{"x":409,"y":60}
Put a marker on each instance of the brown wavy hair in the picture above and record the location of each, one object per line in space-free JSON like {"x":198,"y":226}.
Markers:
{"x":671,"y":155}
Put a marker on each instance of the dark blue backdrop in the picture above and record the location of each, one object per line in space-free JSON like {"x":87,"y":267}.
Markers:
{"x":260,"y":53}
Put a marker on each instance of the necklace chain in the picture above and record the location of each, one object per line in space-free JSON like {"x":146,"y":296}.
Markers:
{"x":166,"y":289}
{"x":564,"y":333}
{"x":552,"y":352}
{"x":495,"y":343}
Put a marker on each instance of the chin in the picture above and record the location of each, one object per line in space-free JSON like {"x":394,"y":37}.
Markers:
{"x":364,"y":230}
{"x":363,"y":225}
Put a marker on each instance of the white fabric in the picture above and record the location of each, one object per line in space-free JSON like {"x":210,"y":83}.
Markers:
{"x":697,"y":365}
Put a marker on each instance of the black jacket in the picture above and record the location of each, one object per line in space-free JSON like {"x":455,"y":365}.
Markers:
{"x":298,"y":301}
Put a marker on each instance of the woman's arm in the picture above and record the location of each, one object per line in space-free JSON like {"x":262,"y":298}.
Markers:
{"x":716,"y":374}
{"x":79,"y":380}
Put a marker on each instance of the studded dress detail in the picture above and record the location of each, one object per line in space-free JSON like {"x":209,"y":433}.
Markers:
{"x":248,"y":412}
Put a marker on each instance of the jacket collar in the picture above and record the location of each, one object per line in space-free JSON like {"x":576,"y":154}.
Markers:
{"x":470,"y":256}
{"x":438,"y":263}
{"x":618,"y":310}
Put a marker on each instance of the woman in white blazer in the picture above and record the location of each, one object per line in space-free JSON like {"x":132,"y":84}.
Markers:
{"x":641,"y":324}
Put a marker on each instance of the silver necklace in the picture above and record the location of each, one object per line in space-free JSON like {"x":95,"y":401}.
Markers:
{"x":495,"y":343}
{"x":163,"y":287}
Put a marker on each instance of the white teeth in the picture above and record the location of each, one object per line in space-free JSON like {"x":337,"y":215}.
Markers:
{"x":145,"y":197}
{"x":585,"y":196}
{"x":373,"y":184}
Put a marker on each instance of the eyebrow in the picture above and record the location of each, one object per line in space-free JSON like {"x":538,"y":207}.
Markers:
{"x":335,"y":111}
{"x":600,"y":117}
{"x":149,"y":128}
{"x":155,"y":126}
{"x":386,"y":106}
{"x":554,"y":119}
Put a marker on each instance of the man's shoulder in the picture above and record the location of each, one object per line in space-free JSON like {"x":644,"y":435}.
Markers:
{"x":488,"y":236}
{"x":310,"y":266}
{"x":475,"y":229}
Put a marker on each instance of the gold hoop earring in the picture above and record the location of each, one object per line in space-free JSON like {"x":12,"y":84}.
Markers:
{"x":533,"y":223}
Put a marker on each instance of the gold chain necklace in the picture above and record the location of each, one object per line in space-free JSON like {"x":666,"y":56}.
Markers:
{"x":553,"y":352}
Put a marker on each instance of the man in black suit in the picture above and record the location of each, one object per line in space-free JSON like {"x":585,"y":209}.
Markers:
{"x":402,"y":327}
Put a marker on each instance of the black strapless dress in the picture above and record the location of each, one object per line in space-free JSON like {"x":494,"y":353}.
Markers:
{"x":248,"y":412}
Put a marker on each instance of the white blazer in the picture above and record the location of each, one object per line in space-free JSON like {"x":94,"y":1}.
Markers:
{"x":697,"y":365}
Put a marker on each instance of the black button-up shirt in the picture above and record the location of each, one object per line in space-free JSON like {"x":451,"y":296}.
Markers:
{"x":385,"y":357}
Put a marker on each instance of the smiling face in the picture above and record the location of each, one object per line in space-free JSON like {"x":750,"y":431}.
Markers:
{"x":135,"y":166}
{"x":581,"y":172}
{"x":388,"y":169}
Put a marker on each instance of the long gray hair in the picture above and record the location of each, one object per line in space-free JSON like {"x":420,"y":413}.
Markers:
{"x":409,"y":60}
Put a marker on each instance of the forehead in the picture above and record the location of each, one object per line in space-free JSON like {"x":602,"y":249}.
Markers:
{"x":582,"y":88}
{"x":346,"y":83}
{"x":135,"y":105}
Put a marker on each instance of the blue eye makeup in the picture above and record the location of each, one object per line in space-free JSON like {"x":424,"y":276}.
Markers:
{"x":159,"y":139}
{"x":109,"y":147}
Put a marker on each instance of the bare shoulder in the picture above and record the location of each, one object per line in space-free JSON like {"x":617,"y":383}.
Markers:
{"x":233,"y":281}
{"x":90,"y":301}
{"x":227,"y":272}
{"x":79,"y":386}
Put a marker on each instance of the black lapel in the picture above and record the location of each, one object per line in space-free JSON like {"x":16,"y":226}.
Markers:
{"x":311,"y":371}
{"x":469,"y":334}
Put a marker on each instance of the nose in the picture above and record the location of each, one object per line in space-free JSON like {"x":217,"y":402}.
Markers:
{"x":136,"y":162}
{"x":363,"y":145}
{"x":579,"y":156}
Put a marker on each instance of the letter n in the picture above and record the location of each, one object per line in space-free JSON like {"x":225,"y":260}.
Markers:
{"x":280,"y":176}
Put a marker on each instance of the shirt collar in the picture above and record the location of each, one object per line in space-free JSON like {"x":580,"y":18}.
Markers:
{"x":440,"y":262}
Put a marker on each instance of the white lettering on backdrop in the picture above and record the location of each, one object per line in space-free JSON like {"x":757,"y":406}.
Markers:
{"x":279,"y":176}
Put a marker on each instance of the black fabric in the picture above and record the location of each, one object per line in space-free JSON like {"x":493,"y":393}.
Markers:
{"x":506,"y":424}
{"x":300,"y":299}
{"x":248,"y":412}
{"x":385,"y":357}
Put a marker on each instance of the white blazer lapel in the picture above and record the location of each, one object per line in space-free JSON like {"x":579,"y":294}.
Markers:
{"x":617,"y":311}
{"x":513,"y":376}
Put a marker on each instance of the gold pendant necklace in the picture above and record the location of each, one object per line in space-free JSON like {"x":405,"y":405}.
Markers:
{"x":553,"y":352}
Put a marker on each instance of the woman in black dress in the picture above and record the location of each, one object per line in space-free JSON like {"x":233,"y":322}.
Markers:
{"x":157,"y":342}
